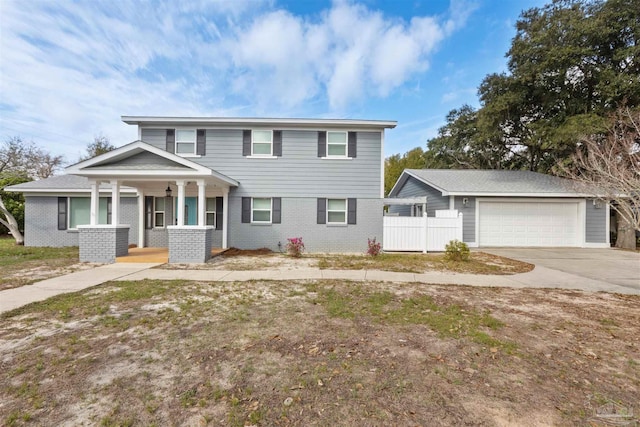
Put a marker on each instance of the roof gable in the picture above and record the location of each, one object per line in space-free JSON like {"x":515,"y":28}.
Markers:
{"x":144,"y":160}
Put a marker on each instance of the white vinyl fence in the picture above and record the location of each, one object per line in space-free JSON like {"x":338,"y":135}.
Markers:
{"x":421,"y":233}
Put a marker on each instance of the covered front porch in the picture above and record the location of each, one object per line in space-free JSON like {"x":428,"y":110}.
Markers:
{"x":182,"y":205}
{"x":161,"y":255}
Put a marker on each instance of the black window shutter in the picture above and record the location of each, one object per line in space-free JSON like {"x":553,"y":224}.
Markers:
{"x":148,"y":212}
{"x":62,"y":213}
{"x":246,"y":142}
{"x":109,"y":210}
{"x":201,"y":142}
{"x":246,"y":209}
{"x":351,"y":211}
{"x":322,"y":211}
{"x":276,"y":215}
{"x":322,"y":146}
{"x":219,"y":212}
{"x":171,"y":140}
{"x":277,"y":143}
{"x":353,"y":143}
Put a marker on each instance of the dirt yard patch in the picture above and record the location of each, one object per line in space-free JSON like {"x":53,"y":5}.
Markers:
{"x":319,"y":353}
{"x":264,"y":259}
{"x":22,"y":265}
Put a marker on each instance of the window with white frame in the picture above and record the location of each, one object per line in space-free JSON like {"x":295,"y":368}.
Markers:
{"x":261,"y":210}
{"x":211,"y":211}
{"x":261,"y":143}
{"x":80,"y":211}
{"x":158,"y":211}
{"x":336,"y":211}
{"x":337,"y":144}
{"x":185,"y":141}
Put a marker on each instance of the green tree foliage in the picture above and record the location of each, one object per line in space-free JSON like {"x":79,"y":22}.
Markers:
{"x":571,"y":64}
{"x":21,"y":161}
{"x":13,"y":202}
{"x":100,"y":145}
{"x":394,"y":165}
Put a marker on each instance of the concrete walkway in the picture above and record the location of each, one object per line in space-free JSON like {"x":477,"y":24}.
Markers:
{"x":540,"y":277}
{"x":73,"y":282}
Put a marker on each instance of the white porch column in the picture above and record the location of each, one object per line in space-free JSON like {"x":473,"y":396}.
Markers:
{"x":115,"y":202}
{"x":141,"y":219}
{"x":225,"y":217}
{"x":202,"y":203}
{"x":180,"y":202}
{"x":95,"y":203}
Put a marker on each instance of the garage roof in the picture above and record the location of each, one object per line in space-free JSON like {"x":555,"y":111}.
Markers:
{"x":472,"y":182}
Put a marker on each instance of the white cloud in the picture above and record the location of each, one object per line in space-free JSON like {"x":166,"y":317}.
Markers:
{"x":69,"y":70}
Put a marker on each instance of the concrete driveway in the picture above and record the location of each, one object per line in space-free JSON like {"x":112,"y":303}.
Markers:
{"x":608,"y":270}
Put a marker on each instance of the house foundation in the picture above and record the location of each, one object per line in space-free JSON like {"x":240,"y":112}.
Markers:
{"x":103,"y":243}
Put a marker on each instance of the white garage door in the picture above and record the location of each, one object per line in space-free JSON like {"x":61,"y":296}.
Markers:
{"x":528,"y":223}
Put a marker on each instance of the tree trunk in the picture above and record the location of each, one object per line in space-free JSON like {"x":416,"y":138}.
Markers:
{"x":626,"y":238}
{"x":10,"y":222}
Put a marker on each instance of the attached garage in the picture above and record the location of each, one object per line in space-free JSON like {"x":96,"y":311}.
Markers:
{"x":510,"y":208}
{"x":528,"y":223}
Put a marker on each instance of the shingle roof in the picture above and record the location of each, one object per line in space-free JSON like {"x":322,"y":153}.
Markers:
{"x":473,"y":181}
{"x":60,"y":183}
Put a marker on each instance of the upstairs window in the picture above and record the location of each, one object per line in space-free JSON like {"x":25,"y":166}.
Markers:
{"x":261,"y":143}
{"x":337,"y":144}
{"x":185,"y":141}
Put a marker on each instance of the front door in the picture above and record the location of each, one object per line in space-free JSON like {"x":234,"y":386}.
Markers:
{"x":190,"y":210}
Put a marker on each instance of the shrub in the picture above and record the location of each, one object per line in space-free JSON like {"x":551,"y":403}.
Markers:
{"x":456,"y":250}
{"x":295,"y":247}
{"x":373,"y":247}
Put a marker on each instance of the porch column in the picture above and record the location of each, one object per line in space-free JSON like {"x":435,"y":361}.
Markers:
{"x":180,"y":202}
{"x":115,"y":202}
{"x":225,"y":217}
{"x":141,"y":219}
{"x":95,"y":203}
{"x":202,"y":203}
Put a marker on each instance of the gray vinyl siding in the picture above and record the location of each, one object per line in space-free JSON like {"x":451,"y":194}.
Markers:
{"x":299,"y":172}
{"x":596,"y":223}
{"x":41,"y":221}
{"x":415,"y":188}
{"x":299,"y":220}
{"x":468,"y":218}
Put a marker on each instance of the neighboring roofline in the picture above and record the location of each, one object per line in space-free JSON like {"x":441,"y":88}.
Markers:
{"x":532,"y":194}
{"x":67,"y":190}
{"x":198,"y":170}
{"x":378,"y":124}
{"x":488,"y":194}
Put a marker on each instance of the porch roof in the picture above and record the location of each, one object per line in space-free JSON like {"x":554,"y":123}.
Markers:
{"x":141,"y":161}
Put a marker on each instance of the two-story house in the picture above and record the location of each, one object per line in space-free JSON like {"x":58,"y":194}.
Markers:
{"x":191,"y":184}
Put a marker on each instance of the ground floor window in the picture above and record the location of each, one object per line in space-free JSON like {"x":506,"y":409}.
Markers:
{"x":159,"y":211}
{"x":261,"y":210}
{"x":79,"y":211}
{"x":336,"y":211}
{"x":211,"y":211}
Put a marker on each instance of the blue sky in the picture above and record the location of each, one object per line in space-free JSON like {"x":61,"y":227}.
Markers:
{"x":69,"y":70}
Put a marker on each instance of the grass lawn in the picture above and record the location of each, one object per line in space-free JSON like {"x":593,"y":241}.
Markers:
{"x":318,"y":353}
{"x":22,"y":265}
{"x":479,"y":263}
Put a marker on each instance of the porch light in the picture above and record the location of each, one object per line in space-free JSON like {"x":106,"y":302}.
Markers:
{"x":168,"y":191}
